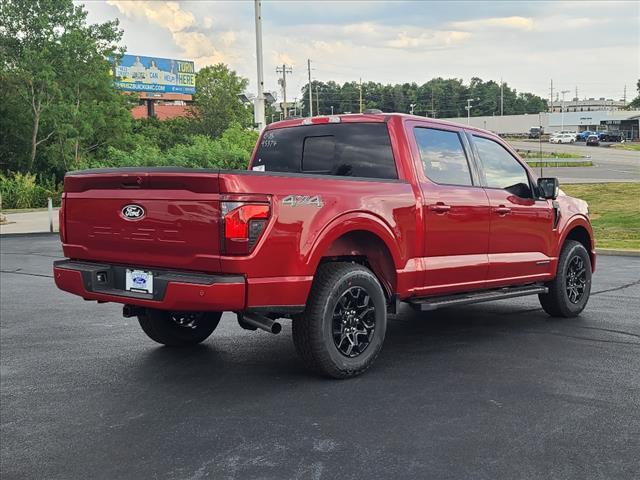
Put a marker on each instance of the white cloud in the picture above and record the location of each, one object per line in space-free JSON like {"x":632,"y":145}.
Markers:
{"x":167,"y":14}
{"x":428,"y":39}
{"x":396,"y":42}
{"x":195,"y":45}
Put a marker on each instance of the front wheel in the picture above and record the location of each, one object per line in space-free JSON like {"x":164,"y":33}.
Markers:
{"x":342,"y":329}
{"x":178,"y":329}
{"x":569,"y":291}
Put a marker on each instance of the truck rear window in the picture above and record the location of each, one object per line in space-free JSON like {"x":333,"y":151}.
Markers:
{"x":346,"y":149}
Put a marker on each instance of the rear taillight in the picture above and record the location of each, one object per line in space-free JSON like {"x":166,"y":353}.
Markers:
{"x":61,"y":221}
{"x":243,"y":226}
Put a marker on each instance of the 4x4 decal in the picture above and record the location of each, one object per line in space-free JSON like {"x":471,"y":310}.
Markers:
{"x":302,"y":200}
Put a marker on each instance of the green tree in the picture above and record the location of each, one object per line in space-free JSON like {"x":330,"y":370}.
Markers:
{"x":436,"y":98}
{"x":55,"y":71}
{"x":635,"y":103}
{"x":217,"y":102}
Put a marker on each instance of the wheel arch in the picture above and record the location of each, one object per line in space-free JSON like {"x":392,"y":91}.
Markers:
{"x":361,"y":238}
{"x":580,"y":230}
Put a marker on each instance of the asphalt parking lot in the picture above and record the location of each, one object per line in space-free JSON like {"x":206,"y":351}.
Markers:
{"x":485,"y":392}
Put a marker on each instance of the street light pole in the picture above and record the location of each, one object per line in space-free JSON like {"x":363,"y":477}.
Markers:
{"x":562,"y":110}
{"x":258,"y":105}
{"x":412,"y":105}
{"x":468,"y":109}
{"x":331,"y":109}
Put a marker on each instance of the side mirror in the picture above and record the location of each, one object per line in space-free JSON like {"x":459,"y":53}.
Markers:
{"x":548,"y":187}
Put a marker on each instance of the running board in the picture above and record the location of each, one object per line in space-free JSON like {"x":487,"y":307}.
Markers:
{"x":432,"y":303}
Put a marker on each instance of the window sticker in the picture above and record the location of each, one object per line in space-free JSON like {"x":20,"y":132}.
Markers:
{"x":269,"y":140}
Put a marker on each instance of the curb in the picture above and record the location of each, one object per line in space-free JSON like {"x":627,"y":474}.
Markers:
{"x":29,"y":234}
{"x":617,"y":253}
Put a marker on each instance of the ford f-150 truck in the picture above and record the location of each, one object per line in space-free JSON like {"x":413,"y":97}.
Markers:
{"x":336,"y":222}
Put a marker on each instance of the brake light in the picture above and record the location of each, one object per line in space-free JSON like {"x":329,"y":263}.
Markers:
{"x":243,"y":226}
{"x":61,"y":221}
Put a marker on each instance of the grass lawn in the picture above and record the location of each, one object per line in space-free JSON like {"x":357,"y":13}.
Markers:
{"x":559,"y":163}
{"x":538,"y":154}
{"x":626,"y":146}
{"x":614,"y":209}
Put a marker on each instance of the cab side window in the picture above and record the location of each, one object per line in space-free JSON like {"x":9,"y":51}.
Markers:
{"x":443,"y":157}
{"x":501,"y":169}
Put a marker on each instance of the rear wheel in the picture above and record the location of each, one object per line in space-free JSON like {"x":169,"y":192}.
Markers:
{"x":342,"y":329}
{"x":178,"y":329}
{"x":569,"y":291}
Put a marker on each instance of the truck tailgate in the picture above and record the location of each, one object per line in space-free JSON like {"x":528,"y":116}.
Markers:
{"x":169,"y":217}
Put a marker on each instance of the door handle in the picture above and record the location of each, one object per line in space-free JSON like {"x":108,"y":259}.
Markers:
{"x":440,"y":208}
{"x":502,"y":210}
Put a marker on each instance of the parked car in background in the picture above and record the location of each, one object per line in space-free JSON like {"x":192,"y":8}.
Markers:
{"x":593,"y":141}
{"x":563,"y":138}
{"x":582,"y":136}
{"x":610,"y":136}
{"x":535,"y":132}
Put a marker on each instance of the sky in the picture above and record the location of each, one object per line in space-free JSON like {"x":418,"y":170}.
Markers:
{"x":591,"y":46}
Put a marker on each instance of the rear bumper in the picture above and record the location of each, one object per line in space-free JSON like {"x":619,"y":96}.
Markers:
{"x":173,"y":290}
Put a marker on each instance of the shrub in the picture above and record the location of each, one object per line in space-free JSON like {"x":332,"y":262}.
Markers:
{"x":231,"y":151}
{"x":25,"y":190}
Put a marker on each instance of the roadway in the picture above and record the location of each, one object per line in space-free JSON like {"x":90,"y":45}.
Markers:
{"x":609,"y":165}
{"x":492,"y":391}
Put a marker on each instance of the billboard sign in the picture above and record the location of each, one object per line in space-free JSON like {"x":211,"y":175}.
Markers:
{"x":135,"y":73}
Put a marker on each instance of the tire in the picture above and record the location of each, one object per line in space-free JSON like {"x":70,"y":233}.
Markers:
{"x":342,"y":329}
{"x":178,"y":329}
{"x":569,"y":291}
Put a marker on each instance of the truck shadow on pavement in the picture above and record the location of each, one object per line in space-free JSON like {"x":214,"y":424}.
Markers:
{"x":258,"y":359}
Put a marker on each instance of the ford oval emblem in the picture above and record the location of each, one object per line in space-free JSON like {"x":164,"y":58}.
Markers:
{"x":133,"y":212}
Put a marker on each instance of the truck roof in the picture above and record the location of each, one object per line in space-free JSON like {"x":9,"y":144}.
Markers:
{"x":364,"y":117}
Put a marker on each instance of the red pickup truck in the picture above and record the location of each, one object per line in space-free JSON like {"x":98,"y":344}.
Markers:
{"x":337,"y":220}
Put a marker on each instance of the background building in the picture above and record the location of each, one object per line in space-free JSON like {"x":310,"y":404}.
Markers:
{"x":588,"y":105}
{"x":625,"y":121}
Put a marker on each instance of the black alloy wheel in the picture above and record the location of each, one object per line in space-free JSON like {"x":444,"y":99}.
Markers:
{"x":576,"y":279}
{"x":178,"y":329}
{"x":342,"y":329}
{"x":354,"y":322}
{"x":569,"y":291}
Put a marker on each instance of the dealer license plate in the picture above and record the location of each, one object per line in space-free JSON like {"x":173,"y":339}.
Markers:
{"x":139,"y":281}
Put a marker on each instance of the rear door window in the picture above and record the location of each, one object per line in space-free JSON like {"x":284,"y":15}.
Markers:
{"x":347,"y":149}
{"x":443,"y":158}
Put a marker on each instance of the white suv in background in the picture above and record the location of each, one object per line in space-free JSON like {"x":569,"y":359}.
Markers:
{"x":562,"y":138}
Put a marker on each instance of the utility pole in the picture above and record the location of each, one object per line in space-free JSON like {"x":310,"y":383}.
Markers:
{"x":284,"y":70}
{"x":501,"y":97}
{"x":433,"y":110}
{"x":551,"y":97}
{"x":258,"y":105}
{"x":562,"y":110}
{"x":576,"y":93}
{"x":310,"y":93}
{"x":360,"y":94}
{"x":317,"y":101}
{"x":624,"y":96}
